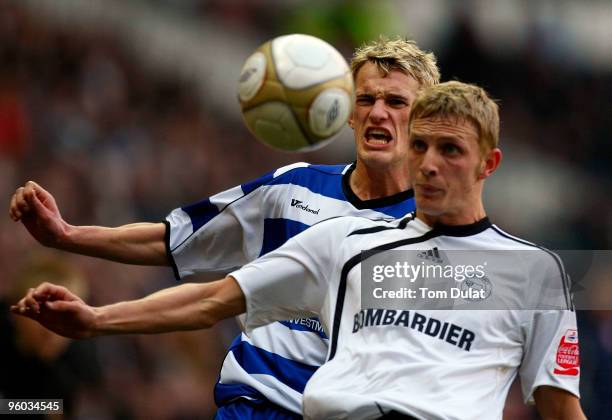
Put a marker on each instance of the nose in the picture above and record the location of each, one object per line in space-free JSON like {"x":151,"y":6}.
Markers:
{"x":379,"y":111}
{"x":429,"y":163}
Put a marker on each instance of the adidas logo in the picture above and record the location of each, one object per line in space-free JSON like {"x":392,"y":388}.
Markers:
{"x":298,"y":205}
{"x":431,"y":254}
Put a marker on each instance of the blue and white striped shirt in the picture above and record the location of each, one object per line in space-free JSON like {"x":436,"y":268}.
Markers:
{"x":237,"y":226}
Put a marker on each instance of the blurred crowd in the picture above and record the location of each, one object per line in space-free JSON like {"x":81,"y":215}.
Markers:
{"x":117,"y":143}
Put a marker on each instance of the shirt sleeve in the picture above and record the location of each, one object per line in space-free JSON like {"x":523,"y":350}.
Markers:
{"x":552,"y":355}
{"x":551,"y":351}
{"x":293,"y":280}
{"x":221,"y":232}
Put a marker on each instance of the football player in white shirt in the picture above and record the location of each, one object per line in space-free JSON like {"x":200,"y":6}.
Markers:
{"x":386,"y":363}
{"x":263,"y":375}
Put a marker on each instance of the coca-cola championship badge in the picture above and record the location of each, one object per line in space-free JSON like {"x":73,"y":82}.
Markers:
{"x":568,"y":354}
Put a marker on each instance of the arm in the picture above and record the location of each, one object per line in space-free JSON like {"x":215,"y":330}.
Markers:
{"x":557,"y":404}
{"x":287,"y":282}
{"x":138,"y":243}
{"x":550,"y":366}
{"x":186,"y":307}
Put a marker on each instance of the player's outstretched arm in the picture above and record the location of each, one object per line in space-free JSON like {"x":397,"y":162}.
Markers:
{"x":557,"y":404}
{"x":186,"y":307}
{"x":138,"y":243}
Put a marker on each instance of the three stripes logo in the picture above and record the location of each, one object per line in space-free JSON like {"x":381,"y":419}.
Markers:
{"x":431,"y":255}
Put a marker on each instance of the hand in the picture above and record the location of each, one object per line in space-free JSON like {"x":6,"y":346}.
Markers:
{"x":59,"y":310}
{"x":36,"y":209}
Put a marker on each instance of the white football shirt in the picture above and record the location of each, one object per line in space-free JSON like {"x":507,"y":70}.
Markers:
{"x":429,"y":364}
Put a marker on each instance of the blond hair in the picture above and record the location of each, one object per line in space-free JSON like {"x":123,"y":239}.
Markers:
{"x":464,"y":101}
{"x":398,"y":54}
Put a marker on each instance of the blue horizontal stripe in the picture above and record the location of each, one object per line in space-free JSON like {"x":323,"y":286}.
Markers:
{"x":225,"y":393}
{"x":315,"y":179}
{"x":330,"y":169}
{"x":255,"y":360}
{"x":200,"y":213}
{"x":277,"y":231}
{"x":256,"y":183}
{"x":398,"y":210}
{"x":243,"y":408}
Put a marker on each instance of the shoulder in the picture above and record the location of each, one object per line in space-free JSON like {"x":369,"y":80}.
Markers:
{"x":300,"y":173}
{"x":307,"y":179}
{"x":345,"y":223}
{"x":344,"y":226}
{"x":531,"y":253}
{"x":307,"y":169}
{"x":515,"y":261}
{"x":283,"y":174}
{"x":508,"y":241}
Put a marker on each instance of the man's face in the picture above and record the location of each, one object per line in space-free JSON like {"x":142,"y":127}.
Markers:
{"x":380,"y":117}
{"x":447,"y":168}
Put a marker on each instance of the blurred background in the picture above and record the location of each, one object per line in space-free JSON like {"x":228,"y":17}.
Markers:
{"x":127,"y":109}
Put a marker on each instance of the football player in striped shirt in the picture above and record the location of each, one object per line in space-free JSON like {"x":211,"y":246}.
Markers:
{"x":387,"y":363}
{"x":264,"y":374}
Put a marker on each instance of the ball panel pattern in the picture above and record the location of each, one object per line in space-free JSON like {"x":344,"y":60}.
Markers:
{"x":252,"y":76}
{"x":302,"y":61}
{"x":295,"y":92}
{"x":279,"y":128}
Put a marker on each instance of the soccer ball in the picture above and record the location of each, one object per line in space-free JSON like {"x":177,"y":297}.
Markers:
{"x":295,"y":92}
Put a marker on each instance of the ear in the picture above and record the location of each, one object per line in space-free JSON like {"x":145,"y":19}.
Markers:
{"x":490,"y":163}
{"x":350,"y":120}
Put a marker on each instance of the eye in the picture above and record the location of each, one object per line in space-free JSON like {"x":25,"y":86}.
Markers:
{"x":418,"y":145}
{"x":397,"y":102}
{"x":364,"y":100}
{"x":451,"y":149}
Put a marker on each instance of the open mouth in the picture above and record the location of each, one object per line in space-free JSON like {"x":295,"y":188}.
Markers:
{"x":378,"y":136}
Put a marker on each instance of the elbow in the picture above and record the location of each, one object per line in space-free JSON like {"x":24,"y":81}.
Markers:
{"x":210,"y":314}
{"x":207,"y":320}
{"x":220,"y":300}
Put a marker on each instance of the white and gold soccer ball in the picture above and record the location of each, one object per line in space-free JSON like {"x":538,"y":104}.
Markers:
{"x":295,"y":92}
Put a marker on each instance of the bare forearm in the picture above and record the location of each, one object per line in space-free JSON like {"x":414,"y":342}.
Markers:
{"x":137,"y":243}
{"x":186,"y":307}
{"x":557,"y":404}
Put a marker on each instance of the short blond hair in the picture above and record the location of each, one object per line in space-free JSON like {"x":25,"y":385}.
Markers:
{"x":398,"y":54}
{"x":464,"y":101}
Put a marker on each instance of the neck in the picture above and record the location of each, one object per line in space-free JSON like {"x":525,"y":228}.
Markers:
{"x":370,"y":183}
{"x":464,"y":218}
